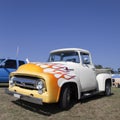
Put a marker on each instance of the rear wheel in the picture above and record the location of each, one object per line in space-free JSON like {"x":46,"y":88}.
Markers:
{"x":108,"y":89}
{"x":65,"y":97}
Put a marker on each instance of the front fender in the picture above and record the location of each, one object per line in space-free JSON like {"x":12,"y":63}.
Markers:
{"x":101,"y":80}
{"x":63,"y":81}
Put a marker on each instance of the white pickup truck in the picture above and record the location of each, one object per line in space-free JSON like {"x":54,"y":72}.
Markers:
{"x":69,"y":73}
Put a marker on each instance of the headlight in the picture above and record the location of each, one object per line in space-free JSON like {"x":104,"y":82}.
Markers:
{"x":40,"y":85}
{"x":11,"y":81}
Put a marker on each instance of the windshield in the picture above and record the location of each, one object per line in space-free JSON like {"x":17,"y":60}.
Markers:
{"x":1,"y":60}
{"x":70,"y":56}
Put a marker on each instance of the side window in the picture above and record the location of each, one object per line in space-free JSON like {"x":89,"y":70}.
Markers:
{"x":85,"y":58}
{"x":11,"y":64}
{"x":21,"y":62}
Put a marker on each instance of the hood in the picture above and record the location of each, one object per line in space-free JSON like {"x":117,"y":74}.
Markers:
{"x":56,"y":69}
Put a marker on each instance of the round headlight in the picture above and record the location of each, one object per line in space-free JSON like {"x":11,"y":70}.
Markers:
{"x":11,"y":81}
{"x":40,"y":85}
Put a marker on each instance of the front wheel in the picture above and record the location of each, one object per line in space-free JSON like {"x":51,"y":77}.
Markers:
{"x":108,"y":89}
{"x":65,"y":97}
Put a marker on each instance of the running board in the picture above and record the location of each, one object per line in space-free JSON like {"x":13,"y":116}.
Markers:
{"x":89,"y":94}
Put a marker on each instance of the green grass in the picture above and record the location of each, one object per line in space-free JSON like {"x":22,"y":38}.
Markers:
{"x":94,"y":108}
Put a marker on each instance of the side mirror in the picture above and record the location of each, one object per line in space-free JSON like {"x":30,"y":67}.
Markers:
{"x":27,"y":60}
{"x":86,"y":61}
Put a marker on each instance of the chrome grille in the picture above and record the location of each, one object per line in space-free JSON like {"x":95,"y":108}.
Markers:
{"x":26,"y":82}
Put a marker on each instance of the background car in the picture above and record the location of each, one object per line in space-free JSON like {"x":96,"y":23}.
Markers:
{"x":7,"y":66}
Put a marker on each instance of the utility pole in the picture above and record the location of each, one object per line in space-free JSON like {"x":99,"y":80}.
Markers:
{"x":17,"y":52}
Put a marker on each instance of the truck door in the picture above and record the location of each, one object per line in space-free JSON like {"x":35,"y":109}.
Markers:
{"x":87,"y":73}
{"x":6,"y":68}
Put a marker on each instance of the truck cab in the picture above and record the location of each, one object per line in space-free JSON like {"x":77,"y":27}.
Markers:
{"x":81,"y":62}
{"x":7,"y":66}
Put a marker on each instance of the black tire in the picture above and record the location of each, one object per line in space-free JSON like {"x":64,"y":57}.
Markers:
{"x":65,"y":97}
{"x":108,"y":89}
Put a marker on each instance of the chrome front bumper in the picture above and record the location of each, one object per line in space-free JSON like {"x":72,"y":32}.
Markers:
{"x":24,"y":97}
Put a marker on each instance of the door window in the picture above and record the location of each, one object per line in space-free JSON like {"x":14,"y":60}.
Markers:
{"x":11,"y":64}
{"x":85,"y":58}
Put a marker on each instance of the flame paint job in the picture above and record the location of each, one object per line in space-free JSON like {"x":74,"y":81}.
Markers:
{"x":52,"y":73}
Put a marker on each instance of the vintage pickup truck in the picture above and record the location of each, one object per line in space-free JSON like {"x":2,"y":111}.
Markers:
{"x":68,"y":74}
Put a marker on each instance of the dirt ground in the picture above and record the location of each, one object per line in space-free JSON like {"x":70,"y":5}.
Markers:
{"x":95,"y":108}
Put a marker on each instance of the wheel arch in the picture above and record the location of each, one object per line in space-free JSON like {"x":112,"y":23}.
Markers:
{"x":102,"y":79}
{"x":73,"y":87}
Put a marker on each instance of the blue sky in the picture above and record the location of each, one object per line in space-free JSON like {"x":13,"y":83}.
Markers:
{"x":39,"y":26}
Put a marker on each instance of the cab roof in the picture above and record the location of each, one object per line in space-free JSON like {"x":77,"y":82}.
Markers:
{"x":69,"y":49}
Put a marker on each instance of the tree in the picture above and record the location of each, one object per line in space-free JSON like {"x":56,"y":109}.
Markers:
{"x":119,"y":70}
{"x":98,"y":66}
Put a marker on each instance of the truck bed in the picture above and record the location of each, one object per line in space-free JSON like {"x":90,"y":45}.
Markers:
{"x":98,"y":71}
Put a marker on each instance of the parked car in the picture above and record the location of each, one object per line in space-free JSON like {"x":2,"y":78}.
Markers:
{"x":7,"y":66}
